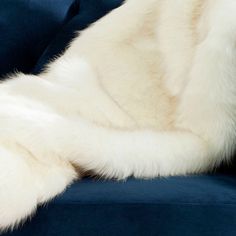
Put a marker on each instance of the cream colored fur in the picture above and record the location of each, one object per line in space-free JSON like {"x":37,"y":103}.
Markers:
{"x":147,"y":91}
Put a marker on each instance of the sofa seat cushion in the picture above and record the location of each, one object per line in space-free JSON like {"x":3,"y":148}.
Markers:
{"x":186,"y":206}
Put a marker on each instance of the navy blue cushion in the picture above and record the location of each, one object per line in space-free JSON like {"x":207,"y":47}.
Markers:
{"x":27,"y":27}
{"x":185,"y":206}
{"x":32,"y":33}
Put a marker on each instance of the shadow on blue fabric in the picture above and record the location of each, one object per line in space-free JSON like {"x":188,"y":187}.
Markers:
{"x":32,"y":33}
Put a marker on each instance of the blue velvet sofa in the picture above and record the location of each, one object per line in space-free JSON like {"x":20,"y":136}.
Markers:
{"x":31,"y":33}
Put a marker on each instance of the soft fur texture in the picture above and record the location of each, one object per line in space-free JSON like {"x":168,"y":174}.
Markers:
{"x":147,"y":91}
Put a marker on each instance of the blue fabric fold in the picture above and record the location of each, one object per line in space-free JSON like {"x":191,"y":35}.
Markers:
{"x":27,"y":27}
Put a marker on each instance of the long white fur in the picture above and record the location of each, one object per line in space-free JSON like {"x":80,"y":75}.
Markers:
{"x":147,"y":91}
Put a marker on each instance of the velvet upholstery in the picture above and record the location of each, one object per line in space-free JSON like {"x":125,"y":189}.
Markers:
{"x":185,"y":206}
{"x":32,"y":33}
